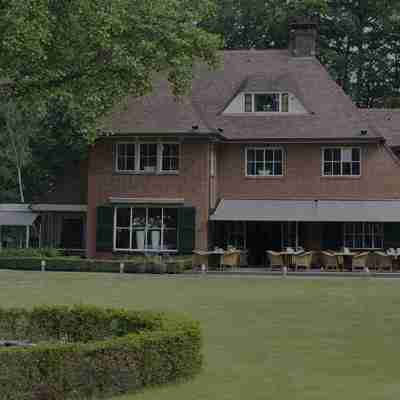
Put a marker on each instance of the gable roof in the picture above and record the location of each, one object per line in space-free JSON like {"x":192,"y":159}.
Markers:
{"x":332,"y":114}
{"x":387,"y":121}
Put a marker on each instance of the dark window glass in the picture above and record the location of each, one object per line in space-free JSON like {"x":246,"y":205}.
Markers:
{"x":250,"y":155}
{"x":266,"y":102}
{"x":355,"y":169}
{"x":248,"y":100}
{"x":123,"y":238}
{"x":346,"y":166}
{"x":269,"y":155}
{"x":148,"y":157}
{"x":170,"y":157}
{"x":328,"y":168}
{"x":356,"y":154}
{"x":337,"y":155}
{"x":278,"y":169}
{"x":278,"y":155}
{"x":170,"y":218}
{"x":336,"y":168}
{"x":251,"y":168}
{"x":123,"y":217}
{"x":328,"y":156}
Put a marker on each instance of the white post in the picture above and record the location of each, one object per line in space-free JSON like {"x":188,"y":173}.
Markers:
{"x":121,"y":268}
{"x":43,"y":265}
{"x":1,"y":240}
{"x":284,"y":271}
{"x":27,"y":236}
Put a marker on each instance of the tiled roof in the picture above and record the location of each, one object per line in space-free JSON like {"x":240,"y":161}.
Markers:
{"x":332,"y":114}
{"x":387,"y":121}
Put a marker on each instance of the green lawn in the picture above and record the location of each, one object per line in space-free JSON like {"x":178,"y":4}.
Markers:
{"x":264,"y":338}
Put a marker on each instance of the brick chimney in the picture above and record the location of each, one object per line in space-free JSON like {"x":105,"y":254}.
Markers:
{"x":303,"y":36}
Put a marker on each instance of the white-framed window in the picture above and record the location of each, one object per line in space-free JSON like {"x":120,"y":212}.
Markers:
{"x":145,"y":229}
{"x":290,"y":234}
{"x":264,"y":161}
{"x":363,"y":235}
{"x":341,"y":161}
{"x":147,"y":157}
{"x":266,"y":102}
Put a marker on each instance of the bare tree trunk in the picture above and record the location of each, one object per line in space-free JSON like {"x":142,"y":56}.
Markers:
{"x":21,"y":189}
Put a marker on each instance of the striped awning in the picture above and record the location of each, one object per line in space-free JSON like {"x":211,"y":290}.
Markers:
{"x":308,"y":210}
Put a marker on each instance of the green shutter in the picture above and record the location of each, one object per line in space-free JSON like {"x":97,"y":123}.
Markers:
{"x":105,"y":228}
{"x":186,"y":229}
{"x":391,"y":232}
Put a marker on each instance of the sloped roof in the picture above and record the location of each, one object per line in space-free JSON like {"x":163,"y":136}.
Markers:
{"x":332,"y":114}
{"x":387,"y":121}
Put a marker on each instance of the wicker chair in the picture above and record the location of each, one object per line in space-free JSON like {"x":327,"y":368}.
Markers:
{"x":198,"y":260}
{"x":360,"y":261}
{"x":230,"y":259}
{"x":329,"y":260}
{"x":275,"y":259}
{"x":303,"y":260}
{"x":383,"y":261}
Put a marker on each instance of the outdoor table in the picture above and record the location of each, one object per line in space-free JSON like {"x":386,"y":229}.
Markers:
{"x":342,"y":257}
{"x":205,"y":256}
{"x":288,"y":256}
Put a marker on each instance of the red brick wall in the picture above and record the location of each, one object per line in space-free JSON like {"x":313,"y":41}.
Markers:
{"x":380,"y":178}
{"x":192,"y":184}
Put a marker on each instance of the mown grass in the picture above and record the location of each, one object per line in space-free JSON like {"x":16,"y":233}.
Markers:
{"x":264,"y":338}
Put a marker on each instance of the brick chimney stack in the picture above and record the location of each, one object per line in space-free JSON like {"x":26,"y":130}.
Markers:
{"x":303,"y":36}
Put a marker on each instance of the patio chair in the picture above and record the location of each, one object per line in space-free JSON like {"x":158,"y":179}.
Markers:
{"x":383,"y":261}
{"x":231,"y":259}
{"x":303,"y":260}
{"x":360,"y":261}
{"x":329,"y":260}
{"x":275,"y":259}
{"x":198,"y":260}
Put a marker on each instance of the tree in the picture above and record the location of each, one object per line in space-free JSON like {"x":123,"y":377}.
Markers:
{"x":359,"y":39}
{"x":97,"y":52}
{"x":15,"y":132}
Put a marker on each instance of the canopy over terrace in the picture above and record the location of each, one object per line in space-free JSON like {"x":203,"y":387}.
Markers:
{"x":308,"y":210}
{"x":260,"y":225}
{"x":15,"y":222}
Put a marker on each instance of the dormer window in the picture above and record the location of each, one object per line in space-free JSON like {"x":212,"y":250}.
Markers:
{"x":266,"y":102}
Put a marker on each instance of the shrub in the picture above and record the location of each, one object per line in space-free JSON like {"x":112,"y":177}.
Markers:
{"x":86,"y":352}
{"x":30,"y":253}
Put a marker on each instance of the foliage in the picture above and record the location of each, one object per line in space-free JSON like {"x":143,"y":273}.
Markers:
{"x":85,"y":352}
{"x":30,"y":252}
{"x":97,"y":52}
{"x":31,"y":261}
{"x":359,"y":40}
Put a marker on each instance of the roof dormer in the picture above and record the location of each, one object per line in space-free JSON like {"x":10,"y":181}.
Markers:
{"x":261,"y":94}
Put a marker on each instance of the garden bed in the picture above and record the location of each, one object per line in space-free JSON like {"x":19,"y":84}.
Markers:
{"x":85,"y":352}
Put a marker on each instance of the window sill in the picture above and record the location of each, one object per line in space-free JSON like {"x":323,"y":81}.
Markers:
{"x":277,"y":177}
{"x":340,"y":177}
{"x":157,"y":173}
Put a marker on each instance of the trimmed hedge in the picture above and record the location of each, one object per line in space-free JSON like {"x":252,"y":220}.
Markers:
{"x":74,"y":264}
{"x":84,"y":352}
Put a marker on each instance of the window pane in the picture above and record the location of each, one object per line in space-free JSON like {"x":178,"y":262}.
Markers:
{"x":260,"y":169}
{"x":123,"y":217}
{"x":278,"y":155}
{"x":130,"y":150}
{"x":328,"y":155}
{"x":278,"y":169}
{"x":170,"y":218}
{"x":123,"y":239}
{"x":248,"y":103}
{"x":139,"y":218}
{"x":346,"y":155}
{"x":251,"y":155}
{"x":130,"y":163}
{"x":138,"y":239}
{"x":154,"y":221}
{"x":285,"y":102}
{"x":260,"y":155}
{"x":266,"y":102}
{"x":348,"y":241}
{"x":336,"y":168}
{"x":269,"y":168}
{"x":269,"y":155}
{"x":336,"y":155}
{"x":170,"y":157}
{"x":170,"y":239}
{"x":355,"y":154}
{"x":148,"y":157}
{"x":346,"y":168}
{"x":251,"y":168}
{"x":328,"y":169}
{"x":368,"y":242}
{"x":121,"y":163}
{"x":355,"y":168}
{"x":378,"y":242}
